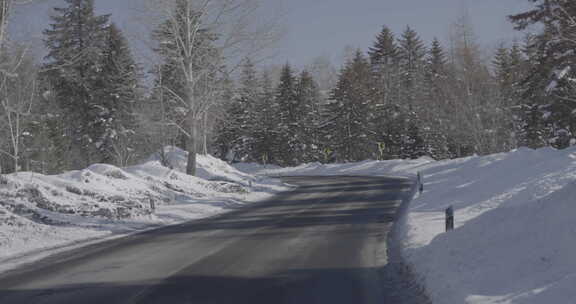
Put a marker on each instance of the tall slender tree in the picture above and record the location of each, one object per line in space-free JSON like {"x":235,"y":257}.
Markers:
{"x":348,"y":112}
{"x":436,"y":112}
{"x":308,"y":95}
{"x":385,"y":110}
{"x":266,"y":118}
{"x":412,"y":55}
{"x":76,"y":42}
{"x":289,"y":114}
{"x":119,"y":96}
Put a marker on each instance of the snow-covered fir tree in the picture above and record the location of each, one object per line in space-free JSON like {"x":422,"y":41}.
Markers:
{"x":411,"y":55}
{"x":265,"y":132}
{"x":348,"y":111}
{"x":240,"y":122}
{"x":551,"y":86}
{"x":385,"y":117}
{"x":288,"y":142}
{"x":309,"y":98}
{"x":436,"y":111}
{"x":119,"y":96}
{"x":76,"y":43}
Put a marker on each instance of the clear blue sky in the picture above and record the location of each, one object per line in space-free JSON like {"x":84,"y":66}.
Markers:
{"x":316,"y":27}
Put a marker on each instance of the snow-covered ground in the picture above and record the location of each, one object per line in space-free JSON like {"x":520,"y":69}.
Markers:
{"x":515,"y":236}
{"x":41,"y":215}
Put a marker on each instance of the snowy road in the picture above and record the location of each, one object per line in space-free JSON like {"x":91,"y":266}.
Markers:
{"x":321,"y":243}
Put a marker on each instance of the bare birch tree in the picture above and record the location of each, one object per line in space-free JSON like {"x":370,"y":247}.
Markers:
{"x":14,"y":104}
{"x":17,"y":95}
{"x":209,"y":39}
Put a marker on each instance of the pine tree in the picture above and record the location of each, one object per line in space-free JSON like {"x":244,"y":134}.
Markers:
{"x":265,"y":133}
{"x":308,"y":95}
{"x":241,"y":117}
{"x":385,"y":113}
{"x":348,"y":110}
{"x":533,"y":108}
{"x":412,"y":53}
{"x":75,"y":42}
{"x":119,"y":97}
{"x":502,"y":67}
{"x":384,"y":64}
{"x":508,"y":65}
{"x":552,"y":53}
{"x":289,"y":114}
{"x":437,"y":111}
{"x":225,"y":130}
{"x":384,"y":52}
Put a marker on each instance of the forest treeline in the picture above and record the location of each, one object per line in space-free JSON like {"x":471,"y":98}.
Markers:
{"x":404,"y":99}
{"x":90,"y":101}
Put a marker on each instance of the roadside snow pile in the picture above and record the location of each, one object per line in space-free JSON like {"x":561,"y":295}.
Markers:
{"x":515,"y":236}
{"x":39,"y":213}
{"x":405,"y":168}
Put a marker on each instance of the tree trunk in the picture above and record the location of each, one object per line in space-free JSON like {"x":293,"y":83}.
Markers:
{"x":191,"y":148}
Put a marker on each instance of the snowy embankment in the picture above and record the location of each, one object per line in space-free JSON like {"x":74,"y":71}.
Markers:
{"x":41,"y":215}
{"x":515,"y":236}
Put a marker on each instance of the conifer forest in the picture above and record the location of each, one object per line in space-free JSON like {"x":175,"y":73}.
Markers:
{"x":89,"y":99}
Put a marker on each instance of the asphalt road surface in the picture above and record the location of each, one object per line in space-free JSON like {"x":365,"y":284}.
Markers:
{"x":323,"y":242}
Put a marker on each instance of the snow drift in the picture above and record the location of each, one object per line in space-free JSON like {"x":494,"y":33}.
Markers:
{"x":40,"y":213}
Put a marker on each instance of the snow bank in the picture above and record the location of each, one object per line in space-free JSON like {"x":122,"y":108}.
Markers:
{"x":515,"y":236}
{"x":403,"y":168}
{"x":42,"y":214}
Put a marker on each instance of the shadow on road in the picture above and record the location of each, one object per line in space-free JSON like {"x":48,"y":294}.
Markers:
{"x":301,"y":284}
{"x":343,"y":211}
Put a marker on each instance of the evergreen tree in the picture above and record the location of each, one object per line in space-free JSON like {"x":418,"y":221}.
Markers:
{"x":119,"y":97}
{"x":508,"y":65}
{"x":348,"y":112}
{"x":502,"y":67}
{"x":384,"y":52}
{"x":241,"y":118}
{"x":308,"y":95}
{"x":526,"y":105}
{"x":549,"y":88}
{"x":531,"y":127}
{"x":75,"y":42}
{"x":265,"y":133}
{"x":436,"y":111}
{"x":289,"y":114}
{"x":385,"y":112}
{"x":384,"y":56}
{"x":412,"y":54}
{"x":225,"y":130}
{"x":533,"y":110}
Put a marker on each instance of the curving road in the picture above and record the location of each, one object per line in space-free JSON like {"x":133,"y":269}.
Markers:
{"x":323,"y":242}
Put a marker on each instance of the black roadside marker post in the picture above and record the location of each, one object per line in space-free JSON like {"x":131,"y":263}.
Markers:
{"x":420,"y":184}
{"x":449,"y":218}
